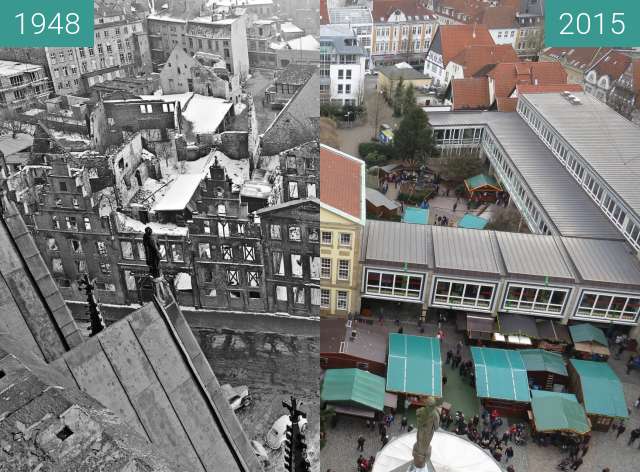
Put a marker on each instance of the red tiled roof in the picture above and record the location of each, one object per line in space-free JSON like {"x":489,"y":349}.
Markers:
{"x":507,"y":76}
{"x":455,"y":38}
{"x":613,"y":64}
{"x":470,"y":94}
{"x":384,"y":9}
{"x":475,"y":57}
{"x":500,"y":17}
{"x":341,"y":181}
{"x":506,"y":104}
{"x":579,"y":58}
{"x":555,"y":88}
{"x":324,"y":13}
{"x":470,"y":8}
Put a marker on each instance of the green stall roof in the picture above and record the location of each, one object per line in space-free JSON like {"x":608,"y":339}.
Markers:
{"x":500,"y":374}
{"x":415,"y":365}
{"x":553,"y":411}
{"x":602,"y":392}
{"x":482,"y":180}
{"x":415,"y":215}
{"x":585,"y":333}
{"x":472,"y":222}
{"x":543,"y":361}
{"x":353,"y":386}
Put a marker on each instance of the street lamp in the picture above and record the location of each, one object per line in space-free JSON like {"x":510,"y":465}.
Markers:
{"x":347,"y":115}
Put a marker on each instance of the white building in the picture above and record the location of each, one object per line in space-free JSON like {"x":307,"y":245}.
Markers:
{"x":342,"y":65}
{"x":359,"y":19}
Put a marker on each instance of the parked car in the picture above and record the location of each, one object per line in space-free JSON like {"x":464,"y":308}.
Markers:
{"x":276,"y":435}
{"x":261,"y":452}
{"x":237,"y":397}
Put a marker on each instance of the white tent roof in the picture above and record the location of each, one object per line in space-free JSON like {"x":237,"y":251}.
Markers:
{"x":449,"y":453}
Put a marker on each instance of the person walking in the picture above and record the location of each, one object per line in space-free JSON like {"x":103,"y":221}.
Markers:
{"x":361,"y":443}
{"x":508,"y":452}
{"x":449,"y":356}
{"x":635,"y":433}
{"x":511,"y":469}
{"x":576,"y":464}
{"x":621,"y":429}
{"x":403,"y":423}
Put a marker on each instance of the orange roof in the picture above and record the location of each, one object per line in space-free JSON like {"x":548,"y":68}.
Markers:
{"x":382,"y":9}
{"x":556,"y":88}
{"x":470,"y":94}
{"x":341,"y":181}
{"x":473,"y":58}
{"x":506,"y":104}
{"x":578,"y":58}
{"x":470,"y":8}
{"x":453,"y":39}
{"x":324,"y":13}
{"x":500,"y":17}
{"x":507,"y":76}
{"x":613,"y":64}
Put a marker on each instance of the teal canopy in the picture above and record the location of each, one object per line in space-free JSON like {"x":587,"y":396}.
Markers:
{"x":539,"y":360}
{"x":480,"y":181}
{"x":353,"y":387}
{"x":585,"y":333}
{"x":553,"y":411}
{"x":472,"y":222}
{"x":500,"y":374}
{"x":414,"y":366}
{"x":602,"y":392}
{"x":415,"y":215}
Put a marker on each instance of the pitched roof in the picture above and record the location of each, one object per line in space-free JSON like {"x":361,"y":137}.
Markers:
{"x":602,"y":390}
{"x":341,"y":182}
{"x":501,"y":374}
{"x":353,"y":386}
{"x":554,"y":411}
{"x":470,"y":94}
{"x":475,"y":57}
{"x":508,"y":75}
{"x":578,"y":58}
{"x":554,"y":88}
{"x":500,"y":17}
{"x":383,"y":9}
{"x":453,"y":39}
{"x":613,"y":64}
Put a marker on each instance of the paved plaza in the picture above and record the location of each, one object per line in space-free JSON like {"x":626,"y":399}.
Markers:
{"x":340,"y":452}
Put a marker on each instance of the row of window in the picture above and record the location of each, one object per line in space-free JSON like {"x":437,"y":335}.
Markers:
{"x":293,"y":233}
{"x":519,"y":298}
{"x":344,"y":268}
{"x":71,"y":223}
{"x":297,"y":295}
{"x":591,"y":183}
{"x":296,"y":267}
{"x":175,"y":254}
{"x":341,"y":296}
{"x":344,"y":239}
{"x":458,"y":136}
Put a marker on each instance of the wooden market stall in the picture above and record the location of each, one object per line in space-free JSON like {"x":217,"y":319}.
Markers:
{"x":600,"y":391}
{"x":589,"y":342}
{"x":545,"y":370}
{"x":482,"y":188}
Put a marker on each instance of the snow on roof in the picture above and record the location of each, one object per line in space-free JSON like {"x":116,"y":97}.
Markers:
{"x":130,"y":225}
{"x":289,"y":27}
{"x":180,"y":192}
{"x":305,"y":43}
{"x":237,"y":169}
{"x":205,"y":113}
{"x":10,"y":145}
{"x":10,"y":68}
{"x":255,"y":189}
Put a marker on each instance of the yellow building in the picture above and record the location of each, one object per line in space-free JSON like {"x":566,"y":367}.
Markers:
{"x":342,"y":219}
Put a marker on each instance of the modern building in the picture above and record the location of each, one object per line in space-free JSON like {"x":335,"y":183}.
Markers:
{"x":402,"y":31}
{"x":22,"y":85}
{"x":359,"y":19}
{"x":390,"y":76}
{"x":342,"y":216}
{"x":435,"y":268}
{"x":342,"y":66}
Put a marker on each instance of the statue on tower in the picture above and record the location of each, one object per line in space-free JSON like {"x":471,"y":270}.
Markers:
{"x":427,"y":422}
{"x":151,"y":252}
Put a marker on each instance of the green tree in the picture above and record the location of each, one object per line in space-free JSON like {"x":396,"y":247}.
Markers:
{"x":459,"y":168}
{"x":413,"y":140}
{"x":398,"y":98}
{"x":409,"y":98}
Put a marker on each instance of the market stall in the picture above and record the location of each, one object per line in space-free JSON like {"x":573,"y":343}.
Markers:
{"x":600,"y":391}
{"x":554,"y":412}
{"x":589,"y":342}
{"x":476,"y":326}
{"x":414,"y":366}
{"x":353,"y":391}
{"x":501,"y":380}
{"x":553,"y":335}
{"x":545,"y":370}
